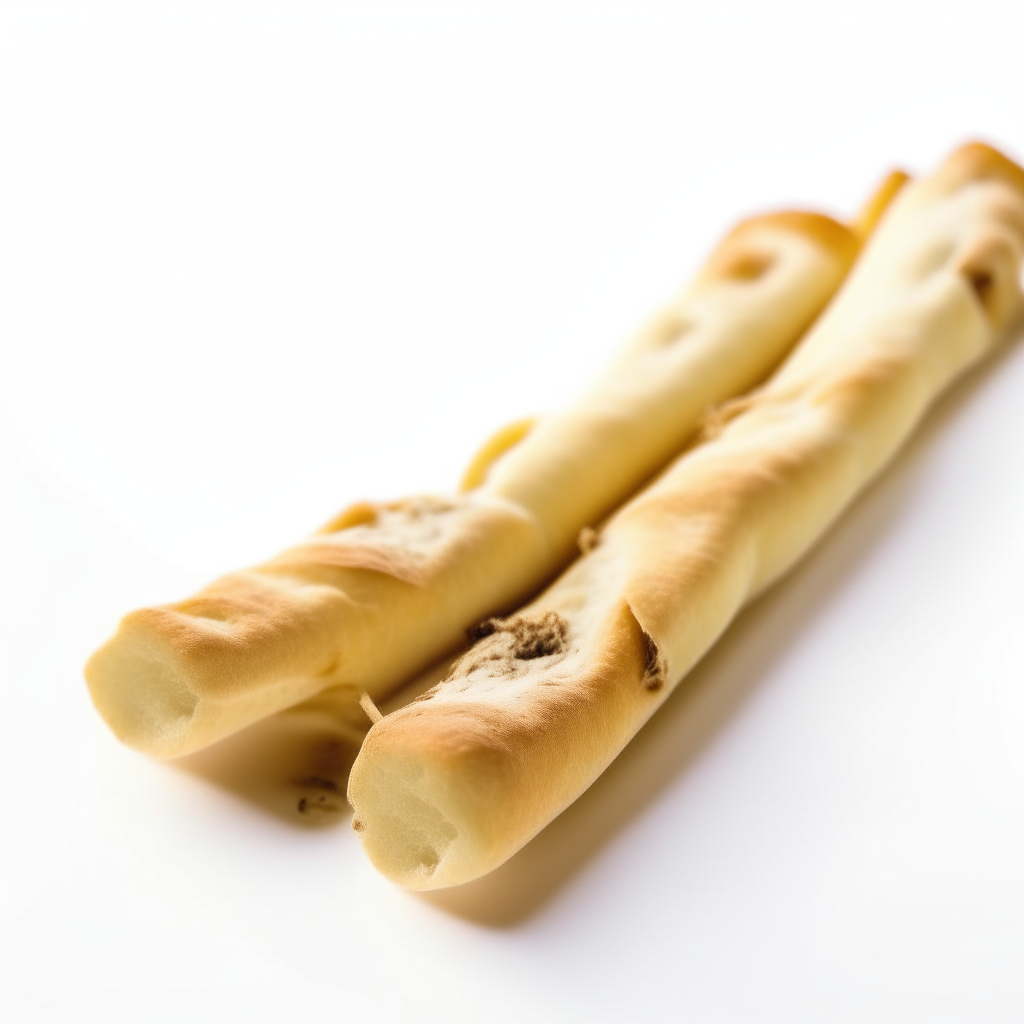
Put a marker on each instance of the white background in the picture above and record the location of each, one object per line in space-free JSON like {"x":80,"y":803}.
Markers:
{"x":261,"y":260}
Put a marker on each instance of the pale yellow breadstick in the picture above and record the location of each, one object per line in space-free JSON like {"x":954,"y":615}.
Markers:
{"x":386,"y":589}
{"x":450,"y":786}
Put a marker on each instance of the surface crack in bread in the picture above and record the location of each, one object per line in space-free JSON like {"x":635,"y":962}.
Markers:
{"x":655,"y":667}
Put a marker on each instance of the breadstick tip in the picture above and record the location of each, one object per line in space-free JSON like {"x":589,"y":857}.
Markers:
{"x":493,"y":448}
{"x":878,"y":202}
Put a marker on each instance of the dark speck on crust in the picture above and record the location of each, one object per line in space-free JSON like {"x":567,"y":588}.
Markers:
{"x":317,"y":782}
{"x":482,"y":629}
{"x":531,"y":638}
{"x":322,"y":799}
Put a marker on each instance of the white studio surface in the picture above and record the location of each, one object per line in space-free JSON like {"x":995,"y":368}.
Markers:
{"x":262,"y":260}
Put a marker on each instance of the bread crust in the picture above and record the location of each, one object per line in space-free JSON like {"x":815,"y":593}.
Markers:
{"x":384,"y":590}
{"x":871,"y":212}
{"x":449,"y":787}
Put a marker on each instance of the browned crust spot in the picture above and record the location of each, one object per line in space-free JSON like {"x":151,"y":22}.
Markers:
{"x":878,"y":202}
{"x":531,"y":638}
{"x":654,"y":665}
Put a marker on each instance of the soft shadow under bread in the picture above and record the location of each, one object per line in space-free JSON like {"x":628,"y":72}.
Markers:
{"x":295,"y":764}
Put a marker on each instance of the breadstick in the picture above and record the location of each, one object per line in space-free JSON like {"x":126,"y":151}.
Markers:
{"x":386,"y":589}
{"x":450,"y":786}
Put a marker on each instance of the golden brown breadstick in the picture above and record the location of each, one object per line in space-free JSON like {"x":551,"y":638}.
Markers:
{"x":450,"y":786}
{"x":386,"y":589}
